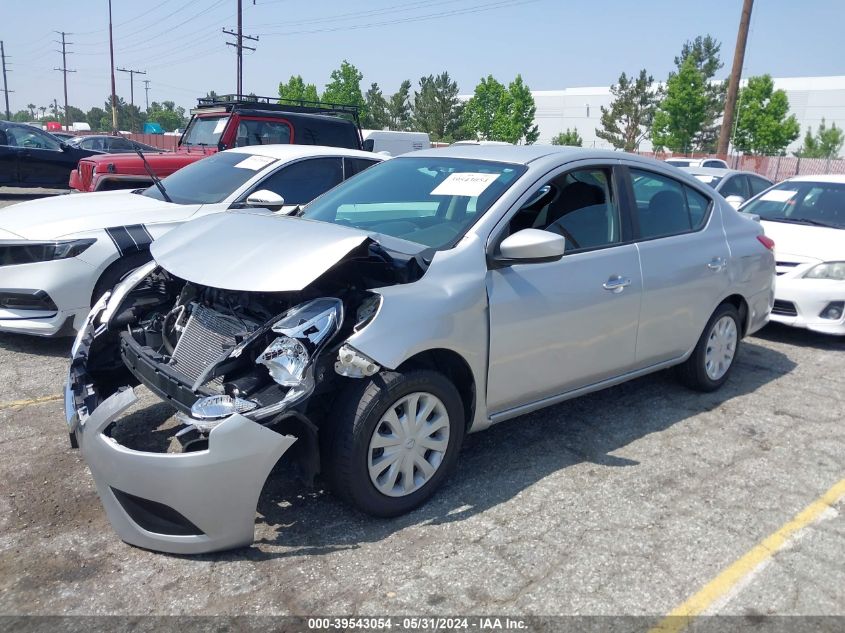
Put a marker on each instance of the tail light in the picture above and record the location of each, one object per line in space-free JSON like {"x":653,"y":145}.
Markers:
{"x":766,"y":241}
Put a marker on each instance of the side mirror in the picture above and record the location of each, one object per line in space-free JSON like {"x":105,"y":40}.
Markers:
{"x":735,"y":201}
{"x":530,"y":246}
{"x":265,"y":199}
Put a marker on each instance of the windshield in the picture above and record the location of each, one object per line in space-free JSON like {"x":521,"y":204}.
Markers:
{"x":817,"y":203}
{"x":205,"y":130}
{"x":211,"y":179}
{"x":708,"y":180}
{"x":429,"y":201}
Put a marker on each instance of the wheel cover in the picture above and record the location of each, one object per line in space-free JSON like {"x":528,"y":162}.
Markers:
{"x":721,"y":348}
{"x":408,"y":444}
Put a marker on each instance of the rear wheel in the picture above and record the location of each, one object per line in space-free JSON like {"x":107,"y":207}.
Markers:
{"x":394,"y":439}
{"x":711,"y":362}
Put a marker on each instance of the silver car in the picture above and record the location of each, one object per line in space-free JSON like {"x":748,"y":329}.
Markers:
{"x":735,"y":186}
{"x":431,"y":296}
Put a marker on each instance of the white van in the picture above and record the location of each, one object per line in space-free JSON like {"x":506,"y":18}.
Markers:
{"x":395,"y":143}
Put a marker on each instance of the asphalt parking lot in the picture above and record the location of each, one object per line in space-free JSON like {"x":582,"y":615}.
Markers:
{"x":627,"y":501}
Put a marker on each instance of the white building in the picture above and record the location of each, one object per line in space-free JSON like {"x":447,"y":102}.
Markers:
{"x":810,"y":100}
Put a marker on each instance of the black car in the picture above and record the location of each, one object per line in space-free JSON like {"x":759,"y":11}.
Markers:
{"x":110,"y":144}
{"x":30,"y":157}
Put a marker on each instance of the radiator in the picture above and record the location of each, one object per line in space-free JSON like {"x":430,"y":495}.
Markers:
{"x":207,"y":335}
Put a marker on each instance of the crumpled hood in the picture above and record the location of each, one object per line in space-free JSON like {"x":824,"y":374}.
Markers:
{"x":254,"y":252}
{"x":58,"y":216}
{"x":806,"y":243}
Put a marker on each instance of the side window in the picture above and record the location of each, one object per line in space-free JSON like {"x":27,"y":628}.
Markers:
{"x":578,"y":205}
{"x":30,"y":138}
{"x":252,"y":132}
{"x":303,"y":181}
{"x":354,"y":166}
{"x":118,"y":143}
{"x":758,"y":185}
{"x":666,"y":207}
{"x":735,"y":186}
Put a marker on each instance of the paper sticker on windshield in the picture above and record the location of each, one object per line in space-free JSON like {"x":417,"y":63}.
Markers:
{"x":221,"y":125}
{"x":255,"y":162}
{"x":778,"y":195}
{"x":465,"y":184}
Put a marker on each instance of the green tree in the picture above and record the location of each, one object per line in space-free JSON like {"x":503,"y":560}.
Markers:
{"x":825,"y":143}
{"x":569,"y":137}
{"x":497,"y":113}
{"x":297,"y":90}
{"x":705,"y":54}
{"x":627,"y":122}
{"x":437,"y":109}
{"x":486,"y":110}
{"x":376,"y":117}
{"x":94,"y":117}
{"x":345,"y":88}
{"x":21,"y":116}
{"x":763,"y":123}
{"x":167,"y":115}
{"x":681,"y":112}
{"x":129,"y":117}
{"x":31,"y":108}
{"x":75,"y":115}
{"x":399,"y":111}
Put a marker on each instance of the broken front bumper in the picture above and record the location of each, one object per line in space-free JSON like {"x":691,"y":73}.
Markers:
{"x":184,"y":503}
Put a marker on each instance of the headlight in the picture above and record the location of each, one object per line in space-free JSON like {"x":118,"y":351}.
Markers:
{"x":303,"y":330}
{"x":828,"y":270}
{"x":26,"y":252}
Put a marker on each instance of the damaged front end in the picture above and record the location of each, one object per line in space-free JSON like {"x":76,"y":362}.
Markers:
{"x":251,"y":375}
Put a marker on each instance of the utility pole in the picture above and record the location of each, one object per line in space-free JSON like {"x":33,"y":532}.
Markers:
{"x":132,"y":74}
{"x":733,"y":81}
{"x":239,"y":45}
{"x":113,"y":91}
{"x":147,"y":94}
{"x":64,"y":71}
{"x":6,"y":90}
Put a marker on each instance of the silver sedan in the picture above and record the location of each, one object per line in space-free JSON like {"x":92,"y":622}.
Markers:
{"x":428,"y":297}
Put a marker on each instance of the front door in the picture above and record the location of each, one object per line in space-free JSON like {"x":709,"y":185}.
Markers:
{"x":41,"y":160}
{"x":559,"y":326}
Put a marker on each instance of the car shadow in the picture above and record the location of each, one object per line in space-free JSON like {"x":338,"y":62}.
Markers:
{"x":499,"y":463}
{"x":36,"y":345}
{"x":780,"y":333}
{"x":12,"y":195}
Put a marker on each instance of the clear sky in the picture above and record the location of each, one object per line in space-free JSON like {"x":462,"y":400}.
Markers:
{"x":553,"y":43}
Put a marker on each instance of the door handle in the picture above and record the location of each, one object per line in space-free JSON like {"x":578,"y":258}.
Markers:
{"x":717,"y":263}
{"x":616,"y":284}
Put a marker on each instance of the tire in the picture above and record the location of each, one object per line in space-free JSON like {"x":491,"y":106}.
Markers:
{"x":359,"y":415}
{"x":116,"y":271}
{"x":722,"y":338}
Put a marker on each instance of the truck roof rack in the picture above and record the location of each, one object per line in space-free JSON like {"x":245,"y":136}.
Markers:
{"x":230,"y":101}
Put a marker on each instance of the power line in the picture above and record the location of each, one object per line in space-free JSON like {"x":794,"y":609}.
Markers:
{"x":64,"y":70}
{"x":132,"y":74}
{"x":239,"y":45}
{"x":6,"y":90}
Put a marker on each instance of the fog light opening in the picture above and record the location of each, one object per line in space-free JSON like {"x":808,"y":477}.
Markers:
{"x":833,"y":310}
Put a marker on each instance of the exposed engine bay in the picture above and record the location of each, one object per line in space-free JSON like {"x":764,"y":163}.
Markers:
{"x":212,"y":353}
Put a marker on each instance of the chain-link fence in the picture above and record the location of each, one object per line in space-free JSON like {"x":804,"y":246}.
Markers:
{"x":775,"y":168}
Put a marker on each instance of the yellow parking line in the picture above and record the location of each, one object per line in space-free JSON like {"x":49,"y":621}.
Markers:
{"x":31,"y":401}
{"x":682,"y":616}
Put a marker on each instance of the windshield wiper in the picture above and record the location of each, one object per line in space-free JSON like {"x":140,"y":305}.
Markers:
{"x":156,"y":179}
{"x":806,"y":221}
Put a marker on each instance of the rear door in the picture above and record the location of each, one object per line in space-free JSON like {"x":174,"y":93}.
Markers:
{"x":8,"y":160}
{"x":684,"y":261}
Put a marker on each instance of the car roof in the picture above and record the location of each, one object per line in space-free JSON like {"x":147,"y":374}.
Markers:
{"x":834,"y":178}
{"x":518,"y":154}
{"x":294,"y":152}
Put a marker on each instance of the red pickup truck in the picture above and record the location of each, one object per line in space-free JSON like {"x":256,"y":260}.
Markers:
{"x":223,"y":123}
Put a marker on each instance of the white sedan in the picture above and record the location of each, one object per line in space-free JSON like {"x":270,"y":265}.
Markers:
{"x":805,"y":216}
{"x":58,"y":255}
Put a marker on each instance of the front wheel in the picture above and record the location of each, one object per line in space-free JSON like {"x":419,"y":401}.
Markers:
{"x":711,"y":361}
{"x":393,"y":439}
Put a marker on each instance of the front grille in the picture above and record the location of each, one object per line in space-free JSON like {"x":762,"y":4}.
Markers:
{"x":784,"y":308}
{"x":86,"y":174}
{"x":207,"y":335}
